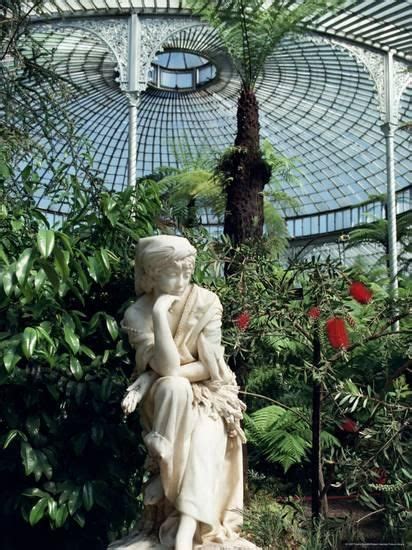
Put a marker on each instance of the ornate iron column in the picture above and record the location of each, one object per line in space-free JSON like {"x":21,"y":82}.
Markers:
{"x":133,"y":69}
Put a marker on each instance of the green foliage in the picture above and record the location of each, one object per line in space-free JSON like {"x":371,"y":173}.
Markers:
{"x":67,"y":453}
{"x":272,"y":525}
{"x":251,"y":29}
{"x":283,"y":435}
{"x":376,"y":232}
{"x":379,"y":468}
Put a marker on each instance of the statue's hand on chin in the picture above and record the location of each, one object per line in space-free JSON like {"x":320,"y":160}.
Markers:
{"x":164,"y":303}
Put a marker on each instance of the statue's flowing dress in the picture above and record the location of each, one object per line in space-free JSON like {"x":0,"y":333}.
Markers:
{"x":200,"y":467}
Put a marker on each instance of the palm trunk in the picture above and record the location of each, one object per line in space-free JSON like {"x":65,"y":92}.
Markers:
{"x":246,"y":174}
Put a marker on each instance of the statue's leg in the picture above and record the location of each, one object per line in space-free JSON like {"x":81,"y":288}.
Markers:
{"x":171,"y":430}
{"x":185,"y":533}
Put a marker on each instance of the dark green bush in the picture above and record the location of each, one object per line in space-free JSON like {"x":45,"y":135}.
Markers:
{"x":70,"y":465}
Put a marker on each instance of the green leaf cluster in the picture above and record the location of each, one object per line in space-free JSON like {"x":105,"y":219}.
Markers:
{"x":251,"y":29}
{"x":67,"y":454}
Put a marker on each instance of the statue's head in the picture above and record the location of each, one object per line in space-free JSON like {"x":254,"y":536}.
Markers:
{"x":161,"y":257}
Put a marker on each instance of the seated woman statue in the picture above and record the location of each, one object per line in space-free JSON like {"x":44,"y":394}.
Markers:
{"x":189,"y":406}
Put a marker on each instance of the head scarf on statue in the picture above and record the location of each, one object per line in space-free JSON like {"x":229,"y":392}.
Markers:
{"x":154,"y":254}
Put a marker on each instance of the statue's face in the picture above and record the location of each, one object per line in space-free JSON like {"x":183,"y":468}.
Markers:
{"x":172,"y":279}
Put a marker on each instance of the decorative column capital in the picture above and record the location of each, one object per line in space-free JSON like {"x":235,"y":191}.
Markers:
{"x":133,"y":98}
{"x":388,"y":129}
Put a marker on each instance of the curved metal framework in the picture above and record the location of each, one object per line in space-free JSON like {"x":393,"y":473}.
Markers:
{"x":322,"y":97}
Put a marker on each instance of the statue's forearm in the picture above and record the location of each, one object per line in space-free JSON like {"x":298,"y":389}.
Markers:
{"x":194,"y":372}
{"x":166,"y":359}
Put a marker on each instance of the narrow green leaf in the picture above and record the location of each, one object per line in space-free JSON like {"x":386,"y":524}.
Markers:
{"x":87,"y":351}
{"x":29,"y":341}
{"x":105,"y":258}
{"x":76,"y":368}
{"x":71,"y":338}
{"x":37,"y":512}
{"x":79,"y":519}
{"x":45,"y":242}
{"x":87,"y":493}
{"x":35,"y":492}
{"x":23,"y":265}
{"x":12,"y":435}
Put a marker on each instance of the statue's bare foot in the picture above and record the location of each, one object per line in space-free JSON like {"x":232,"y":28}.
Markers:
{"x":185,"y":533}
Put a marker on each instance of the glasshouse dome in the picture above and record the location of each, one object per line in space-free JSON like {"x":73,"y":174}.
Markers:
{"x":205,"y":205}
{"x":322,"y":97}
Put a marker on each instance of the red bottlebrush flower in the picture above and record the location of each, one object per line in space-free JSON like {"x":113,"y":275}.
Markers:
{"x":337,"y":334}
{"x":360,"y":292}
{"x":314,"y":312}
{"x":380,"y":475}
{"x":242,"y":321}
{"x":349,"y":425}
{"x":383,"y":476}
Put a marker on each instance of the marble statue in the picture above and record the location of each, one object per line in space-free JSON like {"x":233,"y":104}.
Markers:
{"x":188,"y":402}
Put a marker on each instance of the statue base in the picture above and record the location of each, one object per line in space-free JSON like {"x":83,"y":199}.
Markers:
{"x":141,"y":541}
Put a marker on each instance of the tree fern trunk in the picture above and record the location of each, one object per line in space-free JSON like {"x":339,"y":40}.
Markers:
{"x":246,"y":174}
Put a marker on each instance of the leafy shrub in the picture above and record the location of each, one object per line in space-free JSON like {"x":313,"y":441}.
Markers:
{"x":71,"y":466}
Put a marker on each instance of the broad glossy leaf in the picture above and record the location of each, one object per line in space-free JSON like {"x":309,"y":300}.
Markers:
{"x":61,"y":263}
{"x":71,"y":338}
{"x":37,"y":512}
{"x":83,"y":282}
{"x":10,"y":360}
{"x":33,"y":425}
{"x":65,"y":240}
{"x":45,"y":242}
{"x":23,"y":265}
{"x":8,"y":282}
{"x":39,"y":279}
{"x":43,"y":333}
{"x":74,"y":501}
{"x":44,"y":466}
{"x":76,"y":368}
{"x":112,"y":327}
{"x":51,"y":275}
{"x":29,"y":457}
{"x":29,"y":341}
{"x":52,"y":508}
{"x":61,"y":515}
{"x":105,"y":389}
{"x":3,"y":256}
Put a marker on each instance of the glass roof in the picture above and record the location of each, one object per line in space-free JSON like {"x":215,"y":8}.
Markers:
{"x":382,"y":24}
{"x":177,"y":60}
{"x":318,"y":103}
